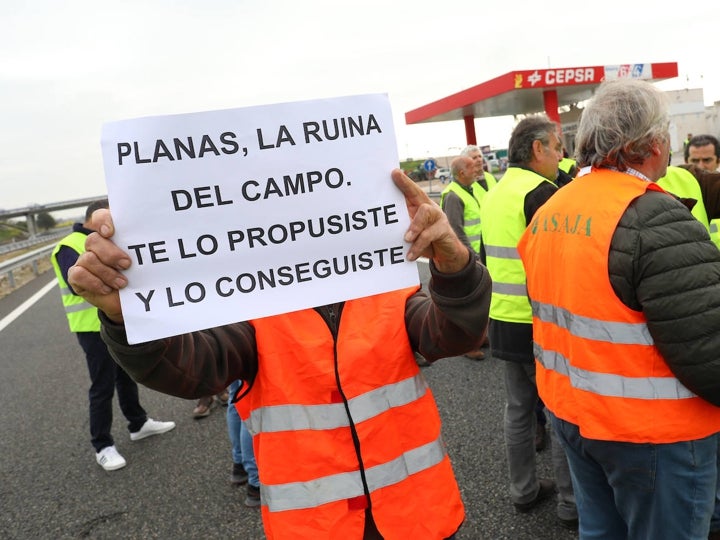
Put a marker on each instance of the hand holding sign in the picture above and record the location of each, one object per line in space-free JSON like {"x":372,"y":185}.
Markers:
{"x":225,"y":216}
{"x":97,"y":274}
{"x":430,"y":233}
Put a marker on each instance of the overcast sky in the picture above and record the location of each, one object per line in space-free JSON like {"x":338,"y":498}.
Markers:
{"x":67,"y":67}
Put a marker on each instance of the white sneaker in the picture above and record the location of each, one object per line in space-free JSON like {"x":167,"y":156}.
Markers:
{"x":109,"y":459}
{"x":151,"y":427}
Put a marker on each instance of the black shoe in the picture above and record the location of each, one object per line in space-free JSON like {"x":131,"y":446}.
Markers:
{"x":238,"y":475}
{"x":547,"y":488}
{"x":252,"y":499}
{"x":540,"y":438}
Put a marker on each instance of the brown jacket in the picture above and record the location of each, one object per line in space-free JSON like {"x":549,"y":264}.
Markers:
{"x":709,"y":182}
{"x":447,"y":319}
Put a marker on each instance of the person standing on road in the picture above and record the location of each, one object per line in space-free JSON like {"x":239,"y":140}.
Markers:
{"x":703,"y":151}
{"x":346,"y":432}
{"x":484,"y":179}
{"x":460,"y":201}
{"x":534,"y":152}
{"x":105,"y":375}
{"x":244,"y":468}
{"x":626,"y":328}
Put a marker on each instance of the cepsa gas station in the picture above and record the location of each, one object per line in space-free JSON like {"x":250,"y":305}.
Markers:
{"x":555,"y":91}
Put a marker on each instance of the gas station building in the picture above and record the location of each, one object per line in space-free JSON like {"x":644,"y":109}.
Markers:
{"x":559,"y":93}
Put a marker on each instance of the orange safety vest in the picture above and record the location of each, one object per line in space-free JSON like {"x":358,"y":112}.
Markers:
{"x":597,"y":365}
{"x":335,"y":416}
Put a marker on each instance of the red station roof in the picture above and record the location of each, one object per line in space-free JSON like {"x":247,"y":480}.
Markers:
{"x":533,"y":91}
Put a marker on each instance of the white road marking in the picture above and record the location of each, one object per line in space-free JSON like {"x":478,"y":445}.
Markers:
{"x":22,"y":308}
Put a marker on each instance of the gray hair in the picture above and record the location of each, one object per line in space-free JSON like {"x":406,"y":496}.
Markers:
{"x":470,"y":148}
{"x":529,"y":130}
{"x":458,"y":164}
{"x":620,"y":124}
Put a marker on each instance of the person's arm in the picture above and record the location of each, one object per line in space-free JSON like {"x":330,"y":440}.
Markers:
{"x":98,"y":275}
{"x":191,"y":365}
{"x":454,"y":209}
{"x":430,"y":234}
{"x":662,"y":262}
{"x":451,"y":317}
{"x":202,"y":363}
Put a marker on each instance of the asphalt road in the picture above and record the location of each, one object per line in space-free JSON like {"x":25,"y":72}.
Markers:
{"x":176,"y":485}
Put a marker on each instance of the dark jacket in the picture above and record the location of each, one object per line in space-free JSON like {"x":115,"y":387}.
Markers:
{"x":709,"y":182}
{"x":67,"y":256}
{"x":663,"y":263}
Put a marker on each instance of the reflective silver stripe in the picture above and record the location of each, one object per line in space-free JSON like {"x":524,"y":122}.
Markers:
{"x":471,"y":222}
{"x":338,"y":487}
{"x":713,"y":227}
{"x":82,"y":306}
{"x":74,"y":308}
{"x":475,"y":238}
{"x":606,"y":384}
{"x":295,"y":417}
{"x":512,"y":289}
{"x":595,"y":329}
{"x":502,"y":252}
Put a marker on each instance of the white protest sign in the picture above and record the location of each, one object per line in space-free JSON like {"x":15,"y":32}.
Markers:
{"x":244,"y":213}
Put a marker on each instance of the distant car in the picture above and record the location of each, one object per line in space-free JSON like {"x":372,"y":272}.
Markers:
{"x":493,"y":165}
{"x":443,"y":174}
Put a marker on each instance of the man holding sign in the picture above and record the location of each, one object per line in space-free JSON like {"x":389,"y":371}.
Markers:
{"x":245,"y":213}
{"x":336,"y":387}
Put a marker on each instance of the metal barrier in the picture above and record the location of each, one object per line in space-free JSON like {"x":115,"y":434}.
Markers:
{"x":39,"y":239}
{"x":434,"y":195}
{"x":32,"y":257}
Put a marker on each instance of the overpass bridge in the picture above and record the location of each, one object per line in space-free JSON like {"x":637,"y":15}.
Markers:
{"x":30,"y":212}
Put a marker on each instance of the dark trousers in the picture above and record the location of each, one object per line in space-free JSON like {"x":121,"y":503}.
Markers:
{"x":105,"y":376}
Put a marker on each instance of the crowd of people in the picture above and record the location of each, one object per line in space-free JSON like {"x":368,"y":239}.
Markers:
{"x":593,"y":278}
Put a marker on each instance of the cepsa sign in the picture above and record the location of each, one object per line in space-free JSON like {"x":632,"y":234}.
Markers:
{"x":558,"y":77}
{"x":544,"y":78}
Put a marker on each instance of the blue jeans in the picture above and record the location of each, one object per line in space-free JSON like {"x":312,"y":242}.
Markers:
{"x":637,"y":491}
{"x":240,"y":439}
{"x":715,"y":520}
